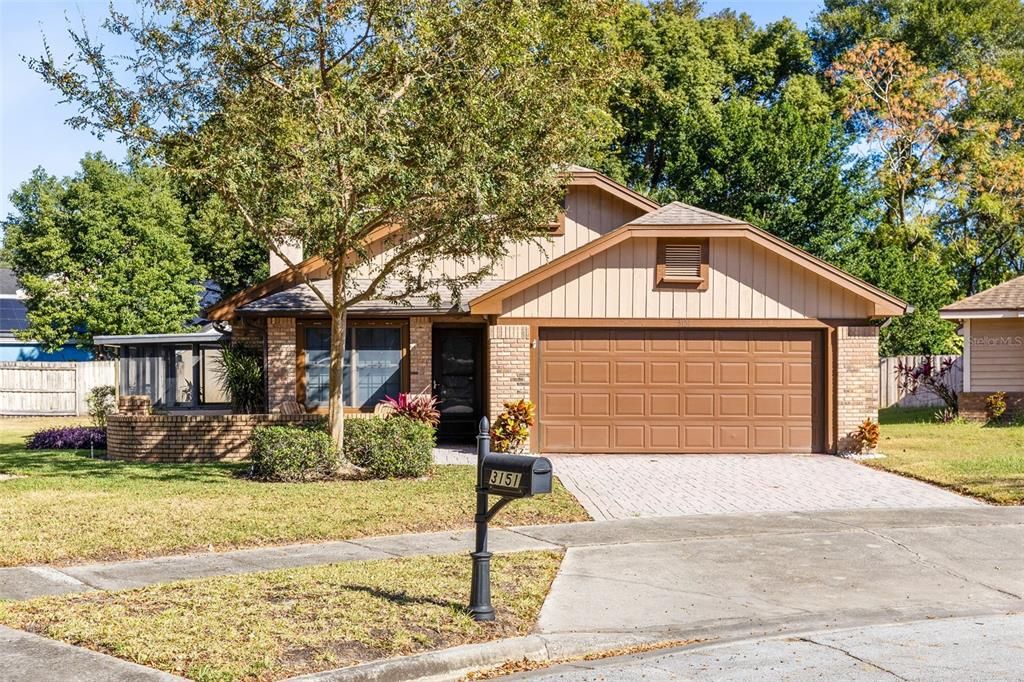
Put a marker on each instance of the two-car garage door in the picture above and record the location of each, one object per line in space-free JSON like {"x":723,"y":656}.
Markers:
{"x":681,"y":390}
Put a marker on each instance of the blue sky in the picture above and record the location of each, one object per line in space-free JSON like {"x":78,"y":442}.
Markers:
{"x":32,"y":129}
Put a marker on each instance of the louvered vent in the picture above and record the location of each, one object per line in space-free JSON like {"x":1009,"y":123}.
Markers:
{"x":682,"y":261}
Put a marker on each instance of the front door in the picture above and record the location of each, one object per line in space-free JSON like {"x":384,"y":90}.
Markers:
{"x":458,"y":380}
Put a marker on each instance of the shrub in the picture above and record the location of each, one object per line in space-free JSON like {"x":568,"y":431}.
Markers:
{"x":995,"y":406}
{"x":946,"y":416}
{"x":396,"y":447}
{"x":241,"y":373}
{"x":420,"y":407}
{"x":68,"y":438}
{"x":867,"y":435}
{"x":511,"y":430}
{"x":102,"y":401}
{"x":293,"y":453}
{"x":931,"y":377}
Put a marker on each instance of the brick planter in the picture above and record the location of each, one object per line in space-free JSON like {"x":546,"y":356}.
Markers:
{"x":202,"y":438}
{"x":972,"y":405}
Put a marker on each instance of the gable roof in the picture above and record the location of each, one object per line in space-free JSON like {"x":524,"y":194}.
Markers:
{"x":1007,"y":297}
{"x":579,"y":176}
{"x":681,"y":220}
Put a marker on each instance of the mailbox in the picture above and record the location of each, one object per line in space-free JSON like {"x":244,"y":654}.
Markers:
{"x":516,"y":475}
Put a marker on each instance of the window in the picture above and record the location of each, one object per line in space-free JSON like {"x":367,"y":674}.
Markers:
{"x":373,"y":364}
{"x":682,"y":263}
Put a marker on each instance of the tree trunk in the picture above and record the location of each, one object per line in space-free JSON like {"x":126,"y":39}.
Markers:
{"x":336,"y":393}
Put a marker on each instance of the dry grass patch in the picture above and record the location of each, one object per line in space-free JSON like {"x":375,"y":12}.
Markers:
{"x":268,"y":626}
{"x":68,"y":508}
{"x":969,"y":457}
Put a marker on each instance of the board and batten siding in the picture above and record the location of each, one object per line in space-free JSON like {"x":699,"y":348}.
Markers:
{"x":590,"y":213}
{"x":746,"y":281}
{"x":997,"y":355}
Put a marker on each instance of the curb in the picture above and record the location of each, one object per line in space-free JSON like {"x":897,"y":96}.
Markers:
{"x":451,"y":664}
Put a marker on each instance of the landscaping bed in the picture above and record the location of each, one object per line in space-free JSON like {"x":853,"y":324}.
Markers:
{"x":982,"y":460}
{"x":63,"y":507}
{"x":277,"y":624}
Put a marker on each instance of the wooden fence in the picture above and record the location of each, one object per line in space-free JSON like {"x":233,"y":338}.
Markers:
{"x":52,"y":388}
{"x":889,"y":393}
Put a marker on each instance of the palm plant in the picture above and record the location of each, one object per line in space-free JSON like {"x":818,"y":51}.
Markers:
{"x":241,"y":373}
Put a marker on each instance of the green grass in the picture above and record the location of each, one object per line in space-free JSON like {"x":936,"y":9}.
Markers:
{"x":267,"y":626}
{"x":65,"y":507}
{"x":972,"y":458}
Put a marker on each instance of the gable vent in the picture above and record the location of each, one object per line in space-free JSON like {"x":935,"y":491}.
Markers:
{"x":682,"y":260}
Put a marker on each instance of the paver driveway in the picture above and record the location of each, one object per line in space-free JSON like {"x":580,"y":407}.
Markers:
{"x":627,"y":486}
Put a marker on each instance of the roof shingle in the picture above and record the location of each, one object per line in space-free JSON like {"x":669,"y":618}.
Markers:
{"x":1006,"y":296}
{"x":678,"y":213}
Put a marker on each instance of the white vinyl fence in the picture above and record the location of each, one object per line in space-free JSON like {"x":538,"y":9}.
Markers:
{"x":52,"y":388}
{"x":889,"y":393}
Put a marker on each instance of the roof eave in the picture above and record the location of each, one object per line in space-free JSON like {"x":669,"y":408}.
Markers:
{"x":980,"y":313}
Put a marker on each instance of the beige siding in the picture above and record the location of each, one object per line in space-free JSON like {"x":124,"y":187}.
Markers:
{"x":590,"y":213}
{"x":997,"y":355}
{"x":747,"y":281}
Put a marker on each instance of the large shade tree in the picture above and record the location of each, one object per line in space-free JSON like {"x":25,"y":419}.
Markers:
{"x":102,"y":252}
{"x":733,"y":117}
{"x":441,"y":128}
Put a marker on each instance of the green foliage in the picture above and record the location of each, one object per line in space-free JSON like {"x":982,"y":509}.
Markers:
{"x":241,"y":373}
{"x":293,"y":453}
{"x":101,"y":401}
{"x":510,"y":432}
{"x":396,"y":447}
{"x":995,"y":406}
{"x":232,"y":256}
{"x":325,"y":123}
{"x":731,"y":117}
{"x":102,"y":252}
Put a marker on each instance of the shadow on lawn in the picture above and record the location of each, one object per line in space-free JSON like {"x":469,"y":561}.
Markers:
{"x":402,"y":598}
{"x":79,"y":464}
{"x":907,"y":415}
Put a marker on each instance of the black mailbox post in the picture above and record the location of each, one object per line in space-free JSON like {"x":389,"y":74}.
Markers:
{"x":509,"y":477}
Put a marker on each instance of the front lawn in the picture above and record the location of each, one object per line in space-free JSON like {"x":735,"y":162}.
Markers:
{"x":63,"y":507}
{"x":273,"y":625}
{"x":972,"y":458}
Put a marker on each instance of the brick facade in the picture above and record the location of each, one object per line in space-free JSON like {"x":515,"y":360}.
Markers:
{"x":247,"y":333}
{"x":972,"y":405}
{"x":421,"y":368}
{"x":202,"y":438}
{"x":280,"y":362}
{"x":508,"y":348}
{"x":856,"y":381}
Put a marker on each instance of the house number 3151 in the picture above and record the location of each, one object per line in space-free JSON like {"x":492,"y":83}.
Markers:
{"x":504,"y":479}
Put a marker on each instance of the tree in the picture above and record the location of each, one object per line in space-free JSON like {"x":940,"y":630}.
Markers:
{"x":381,"y":134}
{"x":734,"y":118}
{"x":102,"y":252}
{"x":234,"y":258}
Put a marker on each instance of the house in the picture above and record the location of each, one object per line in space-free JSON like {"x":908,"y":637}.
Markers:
{"x":179,"y":373}
{"x":13,"y":318}
{"x":636,"y":328}
{"x":992,"y":324}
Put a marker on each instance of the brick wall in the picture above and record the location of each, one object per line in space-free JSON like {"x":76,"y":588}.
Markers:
{"x":247,"y":333}
{"x":420,"y":361}
{"x":280,"y":362}
{"x":856,"y":381}
{"x":509,"y":359}
{"x":972,"y":405}
{"x":203,"y":438}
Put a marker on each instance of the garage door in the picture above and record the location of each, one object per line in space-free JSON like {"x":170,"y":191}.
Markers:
{"x":635,"y":390}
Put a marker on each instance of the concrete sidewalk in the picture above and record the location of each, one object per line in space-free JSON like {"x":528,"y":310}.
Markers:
{"x":957,"y":649}
{"x":29,"y":658}
{"x":32,"y":581}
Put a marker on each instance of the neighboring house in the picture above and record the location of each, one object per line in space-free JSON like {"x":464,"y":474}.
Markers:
{"x":992,"y":324}
{"x":12,"y":319}
{"x":638,"y":328}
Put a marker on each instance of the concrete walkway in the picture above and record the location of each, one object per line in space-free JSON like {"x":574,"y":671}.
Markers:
{"x":26,"y":582}
{"x":631,"y":486}
{"x":955,"y":649}
{"x":29,"y":658}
